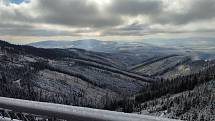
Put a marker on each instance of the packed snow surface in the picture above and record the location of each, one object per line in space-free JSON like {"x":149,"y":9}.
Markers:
{"x":71,"y":112}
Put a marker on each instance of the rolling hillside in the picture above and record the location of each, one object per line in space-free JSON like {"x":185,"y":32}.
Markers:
{"x":73,"y":76}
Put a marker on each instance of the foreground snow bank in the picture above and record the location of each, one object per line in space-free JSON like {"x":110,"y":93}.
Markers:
{"x":71,"y":112}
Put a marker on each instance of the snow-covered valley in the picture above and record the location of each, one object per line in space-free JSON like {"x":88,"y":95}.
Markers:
{"x":124,"y":79}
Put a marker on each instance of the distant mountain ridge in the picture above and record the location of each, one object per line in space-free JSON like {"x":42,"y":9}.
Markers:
{"x":88,"y":44}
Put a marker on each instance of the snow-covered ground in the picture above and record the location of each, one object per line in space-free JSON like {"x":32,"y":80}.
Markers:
{"x":7,"y":119}
{"x":71,"y":112}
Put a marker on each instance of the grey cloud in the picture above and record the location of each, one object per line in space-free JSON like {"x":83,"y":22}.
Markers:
{"x":27,"y":30}
{"x":144,"y":29}
{"x":134,"y":26}
{"x":200,"y":10}
{"x":134,"y":29}
{"x":12,"y":26}
{"x":123,"y":33}
{"x":75,"y":13}
{"x":33,"y":32}
{"x":81,"y":14}
{"x":137,"y":7}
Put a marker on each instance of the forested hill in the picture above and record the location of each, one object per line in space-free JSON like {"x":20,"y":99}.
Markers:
{"x":68,"y":76}
{"x":190,"y":97}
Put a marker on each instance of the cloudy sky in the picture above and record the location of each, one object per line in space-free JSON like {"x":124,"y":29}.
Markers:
{"x":34,"y":20}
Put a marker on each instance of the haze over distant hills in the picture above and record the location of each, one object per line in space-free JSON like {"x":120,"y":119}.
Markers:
{"x":200,"y":48}
{"x":90,"y":43}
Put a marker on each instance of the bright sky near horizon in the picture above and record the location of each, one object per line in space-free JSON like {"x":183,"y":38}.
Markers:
{"x":24,"y":21}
